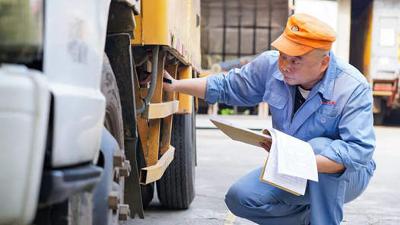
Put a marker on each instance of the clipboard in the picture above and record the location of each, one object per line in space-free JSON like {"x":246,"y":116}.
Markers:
{"x":240,"y":134}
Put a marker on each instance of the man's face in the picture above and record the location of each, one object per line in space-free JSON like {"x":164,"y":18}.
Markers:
{"x":305,"y":70}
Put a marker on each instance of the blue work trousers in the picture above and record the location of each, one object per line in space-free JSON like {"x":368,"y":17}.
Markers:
{"x":322,"y":203}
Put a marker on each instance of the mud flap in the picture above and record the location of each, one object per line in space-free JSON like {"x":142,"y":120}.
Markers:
{"x":118,"y":49}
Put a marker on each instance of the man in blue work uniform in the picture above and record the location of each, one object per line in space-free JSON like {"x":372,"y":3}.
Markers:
{"x":313,"y":96}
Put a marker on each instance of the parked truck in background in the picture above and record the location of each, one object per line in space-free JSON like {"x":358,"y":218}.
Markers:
{"x":375,"y":51}
{"x":385,"y":86}
{"x":85,"y":134}
{"x":385,"y":58}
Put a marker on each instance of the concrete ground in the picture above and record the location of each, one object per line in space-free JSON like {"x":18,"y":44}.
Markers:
{"x":221,"y":161}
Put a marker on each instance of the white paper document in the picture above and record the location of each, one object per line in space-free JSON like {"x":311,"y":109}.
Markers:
{"x":288,"y":183}
{"x":291,"y":162}
{"x":296,"y":157}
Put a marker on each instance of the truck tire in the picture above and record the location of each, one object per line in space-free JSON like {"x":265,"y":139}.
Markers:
{"x":113,"y":122}
{"x":80,"y":209}
{"x":56,"y":214}
{"x":146,"y":190}
{"x":147,"y":194}
{"x":75,"y":210}
{"x":379,"y":118}
{"x":176,"y":188}
{"x":113,"y":118}
{"x":102,"y":214}
{"x":194,"y":134}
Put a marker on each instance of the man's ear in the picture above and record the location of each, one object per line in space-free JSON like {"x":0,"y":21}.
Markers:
{"x":325,"y":62}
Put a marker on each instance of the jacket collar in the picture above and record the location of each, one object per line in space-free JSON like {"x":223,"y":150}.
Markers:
{"x":277,"y":74}
{"x":326,"y":85}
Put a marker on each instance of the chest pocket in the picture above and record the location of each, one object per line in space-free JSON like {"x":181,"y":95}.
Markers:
{"x":276,"y":95}
{"x":277,"y":99}
{"x":325,"y":121}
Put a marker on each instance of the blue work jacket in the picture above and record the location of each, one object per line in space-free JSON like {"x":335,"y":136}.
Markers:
{"x":338,"y":108}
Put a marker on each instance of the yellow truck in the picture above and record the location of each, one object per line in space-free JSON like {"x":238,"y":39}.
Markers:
{"x":155,"y":129}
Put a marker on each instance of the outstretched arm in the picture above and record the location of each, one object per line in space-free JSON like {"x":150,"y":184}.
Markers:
{"x":195,"y":87}
{"x":241,"y":87}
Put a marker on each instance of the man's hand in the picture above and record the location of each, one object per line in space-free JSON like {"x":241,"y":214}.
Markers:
{"x":266,"y":144}
{"x":326,"y":165}
{"x":169,"y":82}
{"x":195,"y":86}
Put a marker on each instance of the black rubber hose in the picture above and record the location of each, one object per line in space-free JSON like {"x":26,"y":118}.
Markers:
{"x":153,"y":83}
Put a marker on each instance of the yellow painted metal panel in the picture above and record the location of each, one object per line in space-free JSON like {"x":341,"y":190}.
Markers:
{"x":185,"y":104}
{"x":185,"y":72}
{"x":368,"y":45}
{"x":173,"y":23}
{"x":185,"y":101}
{"x":153,"y":173}
{"x":162,"y":110}
{"x":153,"y":23}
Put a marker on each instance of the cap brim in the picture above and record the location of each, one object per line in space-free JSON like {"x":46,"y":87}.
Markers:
{"x":289,"y":47}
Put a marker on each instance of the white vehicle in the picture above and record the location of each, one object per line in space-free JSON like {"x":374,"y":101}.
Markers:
{"x":83,"y":141}
{"x":52,"y":109}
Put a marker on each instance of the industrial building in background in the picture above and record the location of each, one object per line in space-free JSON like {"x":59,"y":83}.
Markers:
{"x":234,"y":32}
{"x":234,"y":29}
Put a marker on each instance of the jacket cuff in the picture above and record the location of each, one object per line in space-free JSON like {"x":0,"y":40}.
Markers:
{"x":212,"y":93}
{"x":323,"y":146}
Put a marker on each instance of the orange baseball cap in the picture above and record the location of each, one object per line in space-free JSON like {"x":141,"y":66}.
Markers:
{"x":304,"y":33}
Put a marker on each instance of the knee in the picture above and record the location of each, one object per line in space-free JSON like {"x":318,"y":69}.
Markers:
{"x":241,"y":201}
{"x":234,"y":200}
